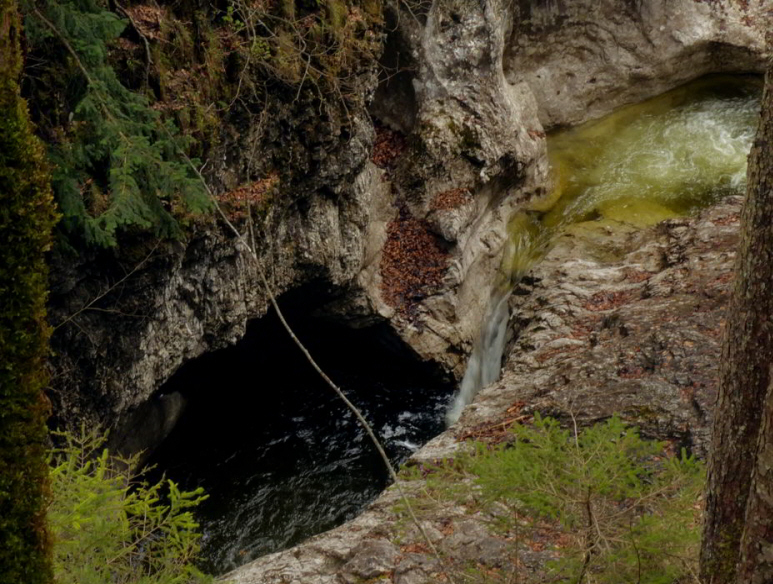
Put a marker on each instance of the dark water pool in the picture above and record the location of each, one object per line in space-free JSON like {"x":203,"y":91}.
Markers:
{"x":280,"y":456}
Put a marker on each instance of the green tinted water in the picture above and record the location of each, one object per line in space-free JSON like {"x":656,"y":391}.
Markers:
{"x":644,"y":163}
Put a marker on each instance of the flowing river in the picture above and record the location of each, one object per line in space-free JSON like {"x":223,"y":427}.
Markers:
{"x":656,"y":160}
{"x":279,"y":454}
{"x":283,"y":460}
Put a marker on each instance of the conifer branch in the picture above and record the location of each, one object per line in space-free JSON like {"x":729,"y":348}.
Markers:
{"x":50,"y":25}
{"x":121,"y":124}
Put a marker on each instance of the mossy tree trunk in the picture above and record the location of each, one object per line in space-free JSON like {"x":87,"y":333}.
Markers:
{"x":26,"y":219}
{"x":739,"y":503}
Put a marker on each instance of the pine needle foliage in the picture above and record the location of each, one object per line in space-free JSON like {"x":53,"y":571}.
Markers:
{"x":629,"y":509}
{"x":107,"y":527}
{"x":618,"y":508}
{"x":117,"y":163}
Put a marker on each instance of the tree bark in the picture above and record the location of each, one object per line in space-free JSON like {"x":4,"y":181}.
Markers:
{"x":741,"y":453}
{"x":756,"y":565}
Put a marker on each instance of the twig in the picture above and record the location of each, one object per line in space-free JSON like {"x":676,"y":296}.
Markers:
{"x":89,"y":305}
{"x":636,"y":549}
{"x":590,"y":544}
{"x":144,"y":40}
{"x":305,"y":74}
{"x":360,"y":418}
{"x":574,"y":422}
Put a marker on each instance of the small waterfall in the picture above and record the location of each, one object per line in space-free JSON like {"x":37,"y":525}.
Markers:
{"x":527,"y":241}
{"x":641,"y":164}
{"x":486,"y":359}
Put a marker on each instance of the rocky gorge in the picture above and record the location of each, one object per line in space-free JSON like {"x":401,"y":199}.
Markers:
{"x":399,"y":218}
{"x":632,"y":328}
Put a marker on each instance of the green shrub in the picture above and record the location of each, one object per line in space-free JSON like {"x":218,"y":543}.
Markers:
{"x":107,"y":527}
{"x":618,"y":508}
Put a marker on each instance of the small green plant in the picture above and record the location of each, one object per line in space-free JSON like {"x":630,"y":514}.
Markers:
{"x":107,"y":527}
{"x":618,"y":508}
{"x":231,"y":20}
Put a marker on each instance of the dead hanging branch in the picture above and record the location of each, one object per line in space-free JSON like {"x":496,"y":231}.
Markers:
{"x":89,"y":305}
{"x":252,"y":253}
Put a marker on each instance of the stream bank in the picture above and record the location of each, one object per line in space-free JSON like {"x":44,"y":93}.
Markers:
{"x":632,"y":328}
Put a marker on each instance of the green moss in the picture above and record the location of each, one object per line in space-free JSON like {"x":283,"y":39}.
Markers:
{"x":26,"y":220}
{"x":337,"y":12}
{"x":188,"y":65}
{"x":210,"y":69}
{"x":288,"y":9}
{"x":373,"y":8}
{"x":287,"y":57}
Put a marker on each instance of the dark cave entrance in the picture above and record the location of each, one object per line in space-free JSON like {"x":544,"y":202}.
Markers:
{"x":279,"y":454}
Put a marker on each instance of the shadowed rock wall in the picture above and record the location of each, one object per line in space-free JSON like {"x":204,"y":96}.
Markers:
{"x":470,"y":85}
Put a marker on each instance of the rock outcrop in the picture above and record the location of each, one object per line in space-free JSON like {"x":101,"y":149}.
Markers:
{"x":581,"y":58}
{"x":471,"y":85}
{"x":613,"y":320}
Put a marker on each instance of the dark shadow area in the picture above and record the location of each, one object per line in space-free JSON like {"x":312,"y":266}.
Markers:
{"x":394,"y":102}
{"x":280,"y":455}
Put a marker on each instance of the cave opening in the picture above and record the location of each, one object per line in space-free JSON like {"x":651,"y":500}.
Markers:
{"x":277,"y":451}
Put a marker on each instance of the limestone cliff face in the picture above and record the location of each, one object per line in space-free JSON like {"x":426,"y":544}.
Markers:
{"x":185,"y":299}
{"x":583,"y":57}
{"x":470,"y":84}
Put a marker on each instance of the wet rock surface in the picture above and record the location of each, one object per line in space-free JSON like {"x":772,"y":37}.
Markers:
{"x":612,"y":320}
{"x":625,"y":322}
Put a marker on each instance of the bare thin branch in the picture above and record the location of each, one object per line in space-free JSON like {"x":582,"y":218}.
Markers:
{"x":252,"y":253}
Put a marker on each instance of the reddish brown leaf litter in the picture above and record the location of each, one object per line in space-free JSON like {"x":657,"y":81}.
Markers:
{"x":450,"y":199}
{"x":608,"y":300}
{"x":498,"y":431}
{"x":536,"y":134}
{"x":415,"y":548}
{"x":147,"y":19}
{"x":584,"y":327}
{"x":388,"y":147}
{"x":727,"y":220}
{"x":632,"y":372}
{"x":255,"y":195}
{"x":636,"y":276}
{"x":413,"y":263}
